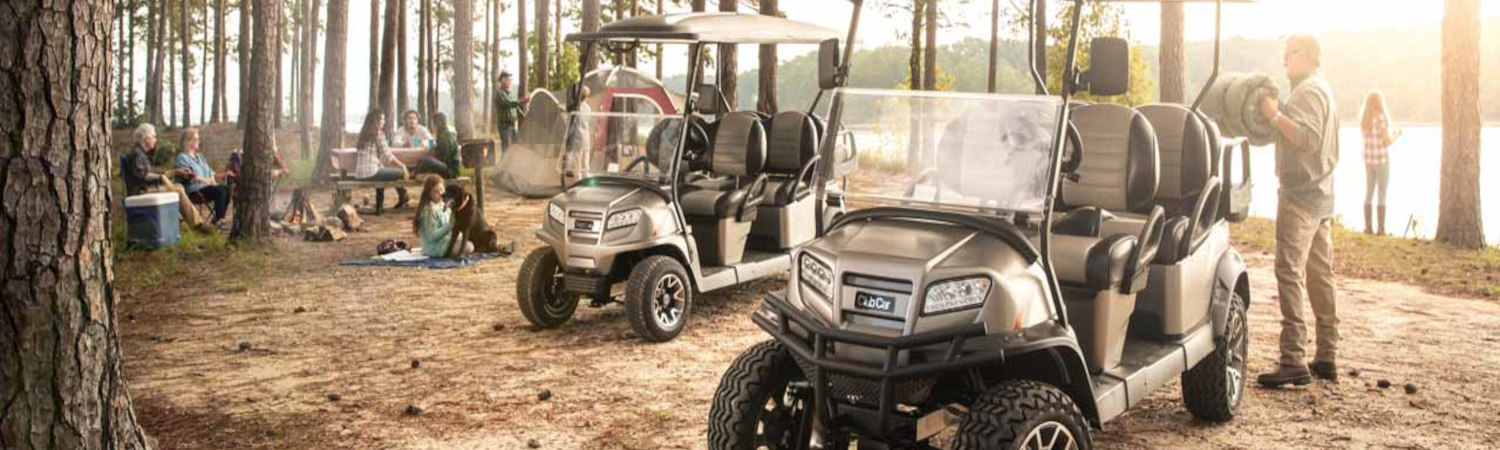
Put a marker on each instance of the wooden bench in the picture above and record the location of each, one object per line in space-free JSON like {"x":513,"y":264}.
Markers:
{"x":342,"y":187}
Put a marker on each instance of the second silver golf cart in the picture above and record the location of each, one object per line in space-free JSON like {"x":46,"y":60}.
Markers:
{"x":660,"y":207}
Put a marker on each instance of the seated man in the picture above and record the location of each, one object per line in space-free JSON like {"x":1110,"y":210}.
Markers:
{"x":203,"y":181}
{"x":141,"y":178}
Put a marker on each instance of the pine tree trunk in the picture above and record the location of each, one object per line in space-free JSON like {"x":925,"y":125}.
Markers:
{"x":375,"y":54}
{"x":331,"y":135}
{"x":219,"y":65}
{"x":914,"y":63}
{"x":401,"y":61}
{"x":247,"y":15}
{"x":1173,"y":69}
{"x":699,"y":5}
{"x":309,"y":68}
{"x":171,"y":87}
{"x":463,"y":66}
{"x":152,"y":112}
{"x":1459,"y":219}
{"x":522,"y":79}
{"x":278,"y":49}
{"x":543,"y":41}
{"x":592,"y":18}
{"x":298,"y":30}
{"x":490,"y":17}
{"x":767,"y":103}
{"x":388,"y":67}
{"x":422,"y":60}
{"x":660,"y":10}
{"x":557,"y":48}
{"x":185,"y":32}
{"x":728,"y":77}
{"x":252,"y":200}
{"x":60,"y":358}
{"x":994,"y":46}
{"x":203,"y":68}
{"x":158,"y":75}
{"x":929,"y":59}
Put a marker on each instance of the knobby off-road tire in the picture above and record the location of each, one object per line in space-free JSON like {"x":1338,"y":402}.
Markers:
{"x":539,"y":291}
{"x":1024,"y":414}
{"x":751,"y":408}
{"x":1213,"y":388}
{"x":658,"y":298}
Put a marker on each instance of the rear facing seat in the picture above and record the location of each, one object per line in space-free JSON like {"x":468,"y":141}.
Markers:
{"x":1101,"y":260}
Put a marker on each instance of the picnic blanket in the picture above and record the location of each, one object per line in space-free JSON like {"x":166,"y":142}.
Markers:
{"x":415,"y":258}
{"x":1234,"y":103}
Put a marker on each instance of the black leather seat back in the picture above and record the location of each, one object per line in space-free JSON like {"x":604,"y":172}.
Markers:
{"x":1186,"y":165}
{"x":793,"y":142}
{"x":739,"y":145}
{"x":1120,"y":168}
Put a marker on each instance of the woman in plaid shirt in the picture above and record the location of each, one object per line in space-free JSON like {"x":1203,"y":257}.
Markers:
{"x":1375,"y":123}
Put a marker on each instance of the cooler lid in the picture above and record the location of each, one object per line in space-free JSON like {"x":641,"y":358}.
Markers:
{"x":157,"y":199}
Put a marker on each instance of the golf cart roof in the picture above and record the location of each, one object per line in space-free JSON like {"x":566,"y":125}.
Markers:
{"x":1175,"y":1}
{"x":710,"y":27}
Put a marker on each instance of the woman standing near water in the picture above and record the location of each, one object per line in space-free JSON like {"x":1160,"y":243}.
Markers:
{"x":1375,"y":125}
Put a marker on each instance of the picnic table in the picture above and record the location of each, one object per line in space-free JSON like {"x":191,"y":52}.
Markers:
{"x":474,"y":154}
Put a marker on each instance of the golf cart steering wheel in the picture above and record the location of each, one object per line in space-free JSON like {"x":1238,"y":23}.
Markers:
{"x":638,"y":160}
{"x":664,"y":137}
{"x":1075,"y":140}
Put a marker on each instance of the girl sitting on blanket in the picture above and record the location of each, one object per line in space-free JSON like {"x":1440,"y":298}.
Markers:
{"x":434,"y":223}
{"x":449,"y":224}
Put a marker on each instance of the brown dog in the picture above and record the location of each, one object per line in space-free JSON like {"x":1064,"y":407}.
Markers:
{"x":467,"y":223}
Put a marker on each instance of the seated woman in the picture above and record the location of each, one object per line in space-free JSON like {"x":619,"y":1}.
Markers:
{"x":374,"y":161}
{"x":203,"y":180}
{"x":434,"y":224}
{"x":141,"y":178}
{"x":442,"y":157}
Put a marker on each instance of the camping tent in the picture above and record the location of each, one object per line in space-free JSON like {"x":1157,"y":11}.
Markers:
{"x":532,"y":166}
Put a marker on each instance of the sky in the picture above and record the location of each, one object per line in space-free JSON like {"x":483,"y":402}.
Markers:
{"x":1263,"y":19}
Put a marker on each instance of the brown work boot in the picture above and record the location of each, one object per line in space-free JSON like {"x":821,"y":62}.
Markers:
{"x":1325,"y":370}
{"x":1297,"y":376}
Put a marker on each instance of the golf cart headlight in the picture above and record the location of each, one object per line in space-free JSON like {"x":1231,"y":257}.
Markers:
{"x":624,"y":219}
{"x":816,"y":274}
{"x":555,"y":212}
{"x":957,"y":294}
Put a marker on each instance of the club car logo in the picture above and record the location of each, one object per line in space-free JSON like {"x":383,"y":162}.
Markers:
{"x":872,"y":302}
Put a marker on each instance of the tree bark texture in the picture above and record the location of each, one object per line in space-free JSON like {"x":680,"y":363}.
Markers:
{"x":421,"y":60}
{"x":521,"y":79}
{"x":1173,"y":68}
{"x":307,"y":85}
{"x":463,"y":66}
{"x":247,"y":15}
{"x":64,"y":386}
{"x":185,"y":32}
{"x":728,"y":76}
{"x":375,"y":53}
{"x":331,"y":135}
{"x":218,"y":112}
{"x":929,"y":58}
{"x":994,"y":45}
{"x":388,"y":67}
{"x":767,"y":89}
{"x":543,"y":42}
{"x":1459,"y":221}
{"x":252,"y":213}
{"x":401,"y":55}
{"x":158,"y":77}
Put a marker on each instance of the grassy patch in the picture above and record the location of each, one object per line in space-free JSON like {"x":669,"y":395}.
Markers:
{"x":1436,"y":267}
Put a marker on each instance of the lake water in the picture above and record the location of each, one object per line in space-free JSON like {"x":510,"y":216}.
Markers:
{"x":1416,"y":162}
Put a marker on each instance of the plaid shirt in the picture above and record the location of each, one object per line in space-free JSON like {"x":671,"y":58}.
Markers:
{"x":1377,"y":145}
{"x":371,"y":158}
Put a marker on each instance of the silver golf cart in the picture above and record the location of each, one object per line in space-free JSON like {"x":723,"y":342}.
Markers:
{"x":1021,"y":269}
{"x":662,"y":206}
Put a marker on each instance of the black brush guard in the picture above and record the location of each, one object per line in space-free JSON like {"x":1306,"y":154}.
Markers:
{"x":813,"y":348}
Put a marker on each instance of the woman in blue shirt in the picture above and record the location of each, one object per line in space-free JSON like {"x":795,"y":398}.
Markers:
{"x":203,"y":181}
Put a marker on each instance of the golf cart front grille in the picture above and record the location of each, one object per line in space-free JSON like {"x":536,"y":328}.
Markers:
{"x":811,"y":345}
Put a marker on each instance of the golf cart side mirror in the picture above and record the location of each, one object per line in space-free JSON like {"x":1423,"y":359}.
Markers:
{"x":828,"y":64}
{"x":1109,"y":67}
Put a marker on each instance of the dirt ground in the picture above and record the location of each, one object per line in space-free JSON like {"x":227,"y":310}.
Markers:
{"x":360,"y":331}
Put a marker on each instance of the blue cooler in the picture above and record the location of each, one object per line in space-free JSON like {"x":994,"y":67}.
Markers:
{"x":152,"y":220}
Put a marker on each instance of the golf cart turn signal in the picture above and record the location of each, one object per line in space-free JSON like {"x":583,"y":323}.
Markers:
{"x":954,"y":295}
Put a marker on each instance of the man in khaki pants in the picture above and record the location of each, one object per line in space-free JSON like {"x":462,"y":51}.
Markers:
{"x":1307,"y":149}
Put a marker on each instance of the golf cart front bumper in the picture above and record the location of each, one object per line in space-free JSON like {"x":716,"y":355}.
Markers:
{"x":868,"y":394}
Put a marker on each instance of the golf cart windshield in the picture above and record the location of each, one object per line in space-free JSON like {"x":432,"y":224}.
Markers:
{"x":633,"y":145}
{"x":989,"y":152}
